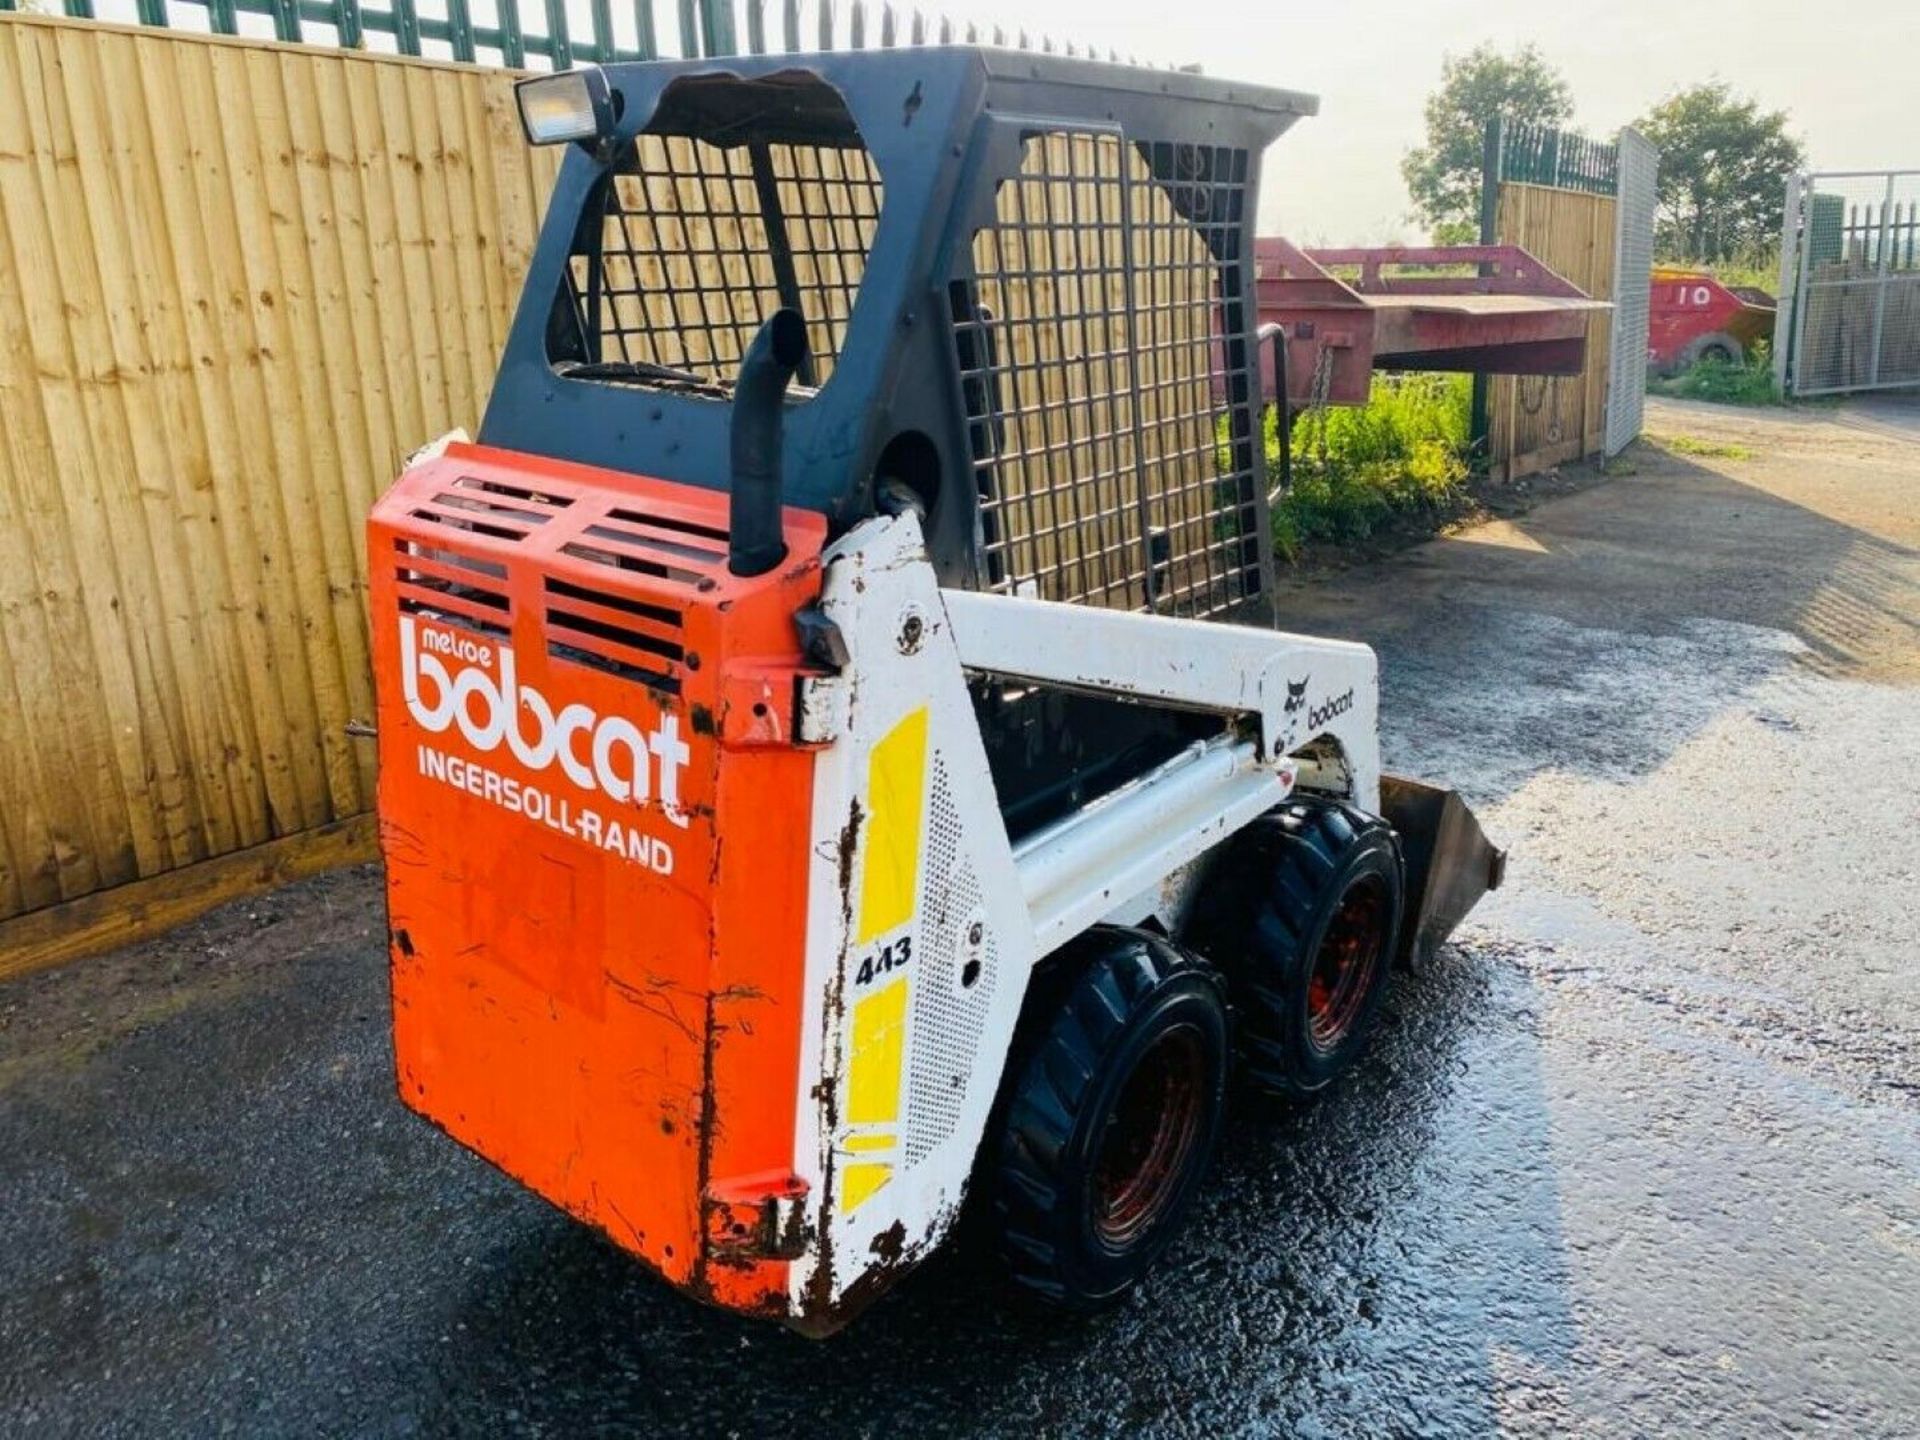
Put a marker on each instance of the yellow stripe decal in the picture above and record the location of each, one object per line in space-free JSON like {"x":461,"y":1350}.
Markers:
{"x":896,"y":807}
{"x":879,"y":1044}
{"x":860,"y":1179}
{"x":873,"y":1089}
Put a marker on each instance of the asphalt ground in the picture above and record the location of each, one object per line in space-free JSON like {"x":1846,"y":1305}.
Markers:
{"x":1639,"y":1155}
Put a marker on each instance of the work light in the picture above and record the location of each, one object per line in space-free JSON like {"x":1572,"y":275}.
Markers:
{"x":571,"y":105}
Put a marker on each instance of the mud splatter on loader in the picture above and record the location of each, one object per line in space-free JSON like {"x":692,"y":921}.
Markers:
{"x":824,"y":781}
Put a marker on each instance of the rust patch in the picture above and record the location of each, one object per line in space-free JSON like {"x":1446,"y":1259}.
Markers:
{"x":708,"y":1123}
{"x":701,"y":718}
{"x":819,"y":1291}
{"x":890,"y":1243}
{"x":849,"y":843}
{"x":895,"y":1258}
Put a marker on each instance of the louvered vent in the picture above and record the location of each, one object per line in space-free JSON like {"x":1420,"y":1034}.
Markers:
{"x":677,"y":550}
{"x":491,"y":507}
{"x":633,"y":639}
{"x":462,"y":590}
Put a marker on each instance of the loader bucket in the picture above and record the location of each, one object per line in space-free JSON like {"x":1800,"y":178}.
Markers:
{"x":1450,"y":862}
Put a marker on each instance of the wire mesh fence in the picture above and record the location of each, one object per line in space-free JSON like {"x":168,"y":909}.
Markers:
{"x":1852,"y":248}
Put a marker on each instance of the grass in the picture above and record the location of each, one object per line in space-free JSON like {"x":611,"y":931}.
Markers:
{"x":1705,"y":449}
{"x":1357,"y":468}
{"x":1722,"y":383}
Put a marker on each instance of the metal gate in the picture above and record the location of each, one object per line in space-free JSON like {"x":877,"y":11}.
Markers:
{"x":1849,"y":283}
{"x":1632,"y":282}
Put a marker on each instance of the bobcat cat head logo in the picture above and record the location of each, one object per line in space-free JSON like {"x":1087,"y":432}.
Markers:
{"x":1296,"y":694}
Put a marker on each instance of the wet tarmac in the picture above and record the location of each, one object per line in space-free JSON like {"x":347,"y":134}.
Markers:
{"x":1639,"y":1155}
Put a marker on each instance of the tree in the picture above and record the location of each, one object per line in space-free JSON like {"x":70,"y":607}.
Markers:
{"x":1724,"y":163}
{"x":1443,"y":175}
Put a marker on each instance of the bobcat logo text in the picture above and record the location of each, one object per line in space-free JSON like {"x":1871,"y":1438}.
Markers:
{"x":453,"y":681}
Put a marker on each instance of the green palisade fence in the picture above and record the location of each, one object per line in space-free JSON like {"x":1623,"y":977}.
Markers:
{"x":1541,"y":155}
{"x":537,"y":34}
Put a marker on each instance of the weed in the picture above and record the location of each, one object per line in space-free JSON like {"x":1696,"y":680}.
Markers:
{"x":1703,"y":449}
{"x":1356,"y":467}
{"x":1722,"y":383}
{"x":1758,"y":267}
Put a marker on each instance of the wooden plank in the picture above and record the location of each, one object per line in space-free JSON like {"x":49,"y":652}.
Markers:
{"x":105,"y":513}
{"x":297,"y":457}
{"x":402,"y":286}
{"x":317,"y":353}
{"x":191,"y":168}
{"x":200,"y":447}
{"x":148,"y":907}
{"x":364,"y":205}
{"x":481,"y":169}
{"x":433,"y":226}
{"x":520,"y":199}
{"x":350,"y":358}
{"x":265,"y":488}
{"x":42,"y":595}
{"x":118,"y":797}
{"x":458,"y":244}
{"x":183,"y":545}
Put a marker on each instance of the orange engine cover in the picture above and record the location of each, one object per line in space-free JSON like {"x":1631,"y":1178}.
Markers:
{"x":577,"y":700}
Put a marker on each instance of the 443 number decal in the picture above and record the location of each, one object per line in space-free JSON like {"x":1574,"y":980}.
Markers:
{"x":890,"y":957}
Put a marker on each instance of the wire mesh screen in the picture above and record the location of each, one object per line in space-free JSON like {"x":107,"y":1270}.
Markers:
{"x":1639,"y":198}
{"x":1097,"y":376}
{"x":700,"y":244}
{"x":1857,"y":319}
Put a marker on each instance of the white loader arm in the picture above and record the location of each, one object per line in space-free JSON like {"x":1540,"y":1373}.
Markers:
{"x":1298,"y":688}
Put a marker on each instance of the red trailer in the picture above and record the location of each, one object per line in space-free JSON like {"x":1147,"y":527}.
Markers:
{"x":1694,"y":317}
{"x":1485,"y":309}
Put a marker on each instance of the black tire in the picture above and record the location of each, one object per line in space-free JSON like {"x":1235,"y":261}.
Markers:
{"x":1111,"y":1117}
{"x":1303,"y":918}
{"x":1718,"y":347}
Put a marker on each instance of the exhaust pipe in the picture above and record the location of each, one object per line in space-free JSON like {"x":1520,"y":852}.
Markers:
{"x":759,"y":402}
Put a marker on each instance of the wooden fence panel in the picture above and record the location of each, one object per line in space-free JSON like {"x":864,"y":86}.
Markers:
{"x":239,"y":283}
{"x":1537,"y":422}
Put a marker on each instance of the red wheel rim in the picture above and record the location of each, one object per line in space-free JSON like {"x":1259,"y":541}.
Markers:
{"x":1150,"y":1135}
{"x":1350,"y":954}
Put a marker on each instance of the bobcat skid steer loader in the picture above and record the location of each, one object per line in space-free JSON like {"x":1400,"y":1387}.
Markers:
{"x":816,"y":787}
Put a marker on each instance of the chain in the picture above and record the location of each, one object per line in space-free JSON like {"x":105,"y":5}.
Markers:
{"x":1546,"y":396}
{"x":1315,"y":414}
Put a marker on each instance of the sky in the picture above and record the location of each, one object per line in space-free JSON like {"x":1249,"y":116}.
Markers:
{"x":1847,"y":76}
